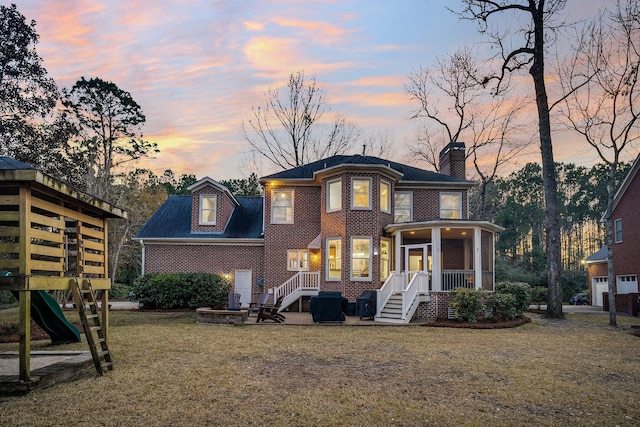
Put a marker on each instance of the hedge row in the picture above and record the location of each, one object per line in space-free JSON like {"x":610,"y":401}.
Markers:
{"x":510,"y":300}
{"x":181,"y":290}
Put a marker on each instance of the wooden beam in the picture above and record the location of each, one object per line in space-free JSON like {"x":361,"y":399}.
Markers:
{"x":25,"y":336}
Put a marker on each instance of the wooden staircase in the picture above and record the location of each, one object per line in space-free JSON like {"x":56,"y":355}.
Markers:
{"x":85,"y":299}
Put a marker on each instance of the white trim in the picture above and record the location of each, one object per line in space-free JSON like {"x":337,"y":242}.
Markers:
{"x":328,"y":195}
{"x":215,"y":209}
{"x":353,"y":278}
{"x":203,"y":241}
{"x":361,"y":208}
{"x":389,"y":206}
{"x":273,"y":196}
{"x":388,"y":258}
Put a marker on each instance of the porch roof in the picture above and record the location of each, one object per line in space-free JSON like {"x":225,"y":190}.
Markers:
{"x":440,"y":223}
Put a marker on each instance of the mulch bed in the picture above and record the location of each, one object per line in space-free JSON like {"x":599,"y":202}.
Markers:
{"x":481,"y":324}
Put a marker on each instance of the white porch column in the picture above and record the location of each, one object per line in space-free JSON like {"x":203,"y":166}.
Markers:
{"x":477,"y":256}
{"x":436,"y":252}
{"x":398,"y":245}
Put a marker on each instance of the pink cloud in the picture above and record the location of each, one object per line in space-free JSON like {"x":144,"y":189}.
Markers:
{"x":323,"y":32}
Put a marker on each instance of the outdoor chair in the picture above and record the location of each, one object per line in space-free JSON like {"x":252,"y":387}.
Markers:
{"x":234,"y":302}
{"x":270,"y":312}
{"x":254,"y":307}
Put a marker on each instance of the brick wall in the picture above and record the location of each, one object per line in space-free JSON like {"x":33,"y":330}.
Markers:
{"x":279,"y":238}
{"x":217,"y":259}
{"x":426,"y":202}
{"x":627,"y":253}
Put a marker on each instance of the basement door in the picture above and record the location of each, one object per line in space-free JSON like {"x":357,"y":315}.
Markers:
{"x":243,"y":286}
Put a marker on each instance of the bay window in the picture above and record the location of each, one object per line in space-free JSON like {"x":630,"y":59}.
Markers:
{"x":334,"y":195}
{"x":361,"y":193}
{"x":334,"y":259}
{"x":361,"y":258}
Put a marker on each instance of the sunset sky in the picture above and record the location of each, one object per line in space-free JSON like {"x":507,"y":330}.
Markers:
{"x":196,"y":67}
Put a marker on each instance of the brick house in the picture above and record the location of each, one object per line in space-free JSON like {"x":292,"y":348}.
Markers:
{"x":626,"y":243}
{"x":345,"y":223}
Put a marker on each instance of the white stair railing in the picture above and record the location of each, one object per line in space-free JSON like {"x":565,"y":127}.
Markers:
{"x":418,"y":284}
{"x":303,"y":280}
{"x":394,"y":283}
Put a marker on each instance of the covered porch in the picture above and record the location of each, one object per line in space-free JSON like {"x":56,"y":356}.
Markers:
{"x":432,"y":257}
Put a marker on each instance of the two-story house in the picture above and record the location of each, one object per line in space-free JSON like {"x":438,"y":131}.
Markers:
{"x":626,"y":243}
{"x":345,"y":223}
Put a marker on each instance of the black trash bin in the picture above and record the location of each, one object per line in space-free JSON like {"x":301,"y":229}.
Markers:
{"x":366,"y":304}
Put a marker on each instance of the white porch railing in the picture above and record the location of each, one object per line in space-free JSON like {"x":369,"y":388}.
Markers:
{"x":452,"y":279}
{"x":303,"y":280}
{"x":418,"y":284}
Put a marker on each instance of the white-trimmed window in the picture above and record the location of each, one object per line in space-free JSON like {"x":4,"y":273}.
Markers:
{"x":334,"y":195}
{"x":361,"y":258}
{"x":617,"y":229}
{"x":298,"y":260}
{"x":361,"y":193}
{"x":334,"y":258}
{"x":451,"y":205}
{"x":385,"y":196}
{"x":282,"y":207}
{"x":402,"y":206}
{"x":208,"y":209}
{"x":385,"y":263}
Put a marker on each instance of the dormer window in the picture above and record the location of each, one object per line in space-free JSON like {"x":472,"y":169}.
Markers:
{"x":208,"y":209}
{"x":361,"y":193}
{"x":451,"y":205}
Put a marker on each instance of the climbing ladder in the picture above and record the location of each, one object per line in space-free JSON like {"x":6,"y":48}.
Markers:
{"x":85,"y":299}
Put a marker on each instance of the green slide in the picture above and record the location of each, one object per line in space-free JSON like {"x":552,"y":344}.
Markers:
{"x":46,"y":312}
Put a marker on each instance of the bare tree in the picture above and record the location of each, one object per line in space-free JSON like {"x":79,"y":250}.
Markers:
{"x":536,"y":32}
{"x":466,"y":112}
{"x":606,"y":110}
{"x":287,"y":129}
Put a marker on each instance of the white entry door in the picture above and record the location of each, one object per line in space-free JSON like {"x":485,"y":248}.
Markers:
{"x":600,"y":285}
{"x":243,"y":286}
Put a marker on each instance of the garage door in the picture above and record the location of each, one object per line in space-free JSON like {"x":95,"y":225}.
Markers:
{"x":599,"y":286}
{"x":627,"y":284}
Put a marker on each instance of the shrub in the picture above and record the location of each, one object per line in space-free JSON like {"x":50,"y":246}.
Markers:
{"x":119,"y":291}
{"x":468,"y":303}
{"x":181,"y":290}
{"x":7,"y":300}
{"x":504,"y":306}
{"x":521,"y":292}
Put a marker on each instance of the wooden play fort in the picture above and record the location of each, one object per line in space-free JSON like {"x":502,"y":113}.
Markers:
{"x":54,"y":238}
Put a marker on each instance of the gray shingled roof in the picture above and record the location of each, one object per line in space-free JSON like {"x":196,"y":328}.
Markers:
{"x":9,"y":163}
{"x":410,"y":173}
{"x":173,"y":221}
{"x":599,"y":255}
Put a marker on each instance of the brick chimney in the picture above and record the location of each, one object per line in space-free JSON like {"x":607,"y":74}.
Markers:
{"x":452,"y":160}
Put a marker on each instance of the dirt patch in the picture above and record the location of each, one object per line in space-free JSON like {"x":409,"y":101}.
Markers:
{"x":481,"y":324}
{"x":10,"y":332}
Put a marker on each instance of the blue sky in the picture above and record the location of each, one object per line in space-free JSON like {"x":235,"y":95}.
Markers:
{"x":196,"y":67}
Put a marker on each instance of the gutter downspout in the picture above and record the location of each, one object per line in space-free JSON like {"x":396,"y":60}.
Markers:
{"x":143,"y":258}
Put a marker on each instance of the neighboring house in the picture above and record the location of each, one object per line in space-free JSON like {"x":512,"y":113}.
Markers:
{"x":626,"y":243}
{"x":345,"y":223}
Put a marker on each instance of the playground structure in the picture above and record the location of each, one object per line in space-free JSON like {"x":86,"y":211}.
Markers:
{"x":52,"y":238}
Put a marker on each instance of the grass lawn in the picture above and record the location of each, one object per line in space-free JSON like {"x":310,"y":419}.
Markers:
{"x":170,"y":371}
